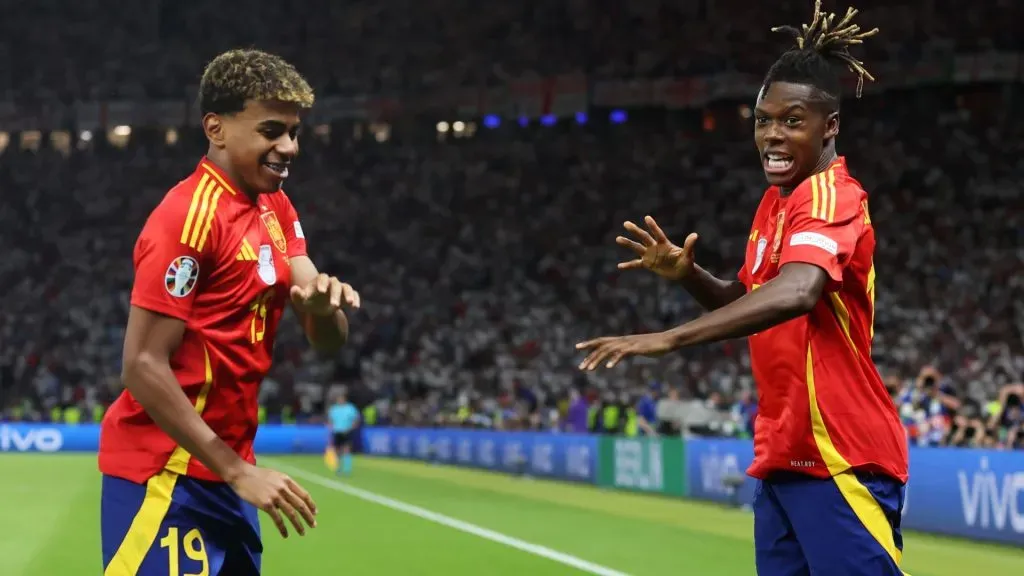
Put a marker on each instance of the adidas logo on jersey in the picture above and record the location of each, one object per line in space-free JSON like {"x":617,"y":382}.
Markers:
{"x":245,"y":252}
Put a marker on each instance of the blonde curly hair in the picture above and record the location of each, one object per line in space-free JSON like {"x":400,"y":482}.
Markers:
{"x":236,"y":76}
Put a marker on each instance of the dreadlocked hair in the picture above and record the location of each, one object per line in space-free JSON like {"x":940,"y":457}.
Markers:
{"x":236,"y":76}
{"x":818,"y":45}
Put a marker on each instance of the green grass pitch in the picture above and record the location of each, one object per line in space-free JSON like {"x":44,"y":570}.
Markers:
{"x":411,"y":518}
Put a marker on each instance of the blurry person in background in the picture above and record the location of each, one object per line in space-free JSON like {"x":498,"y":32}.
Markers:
{"x":647,"y":403}
{"x":609,"y":416}
{"x":576,"y":421}
{"x":939,"y":403}
{"x":744,"y":413}
{"x":343,"y":418}
{"x":1006,"y":420}
{"x":669,"y":414}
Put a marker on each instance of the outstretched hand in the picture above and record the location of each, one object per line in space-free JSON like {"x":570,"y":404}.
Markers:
{"x":655,"y":252}
{"x":612,"y":349}
{"x":324,"y":295}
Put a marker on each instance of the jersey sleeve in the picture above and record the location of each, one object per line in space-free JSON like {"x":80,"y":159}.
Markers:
{"x":169,"y":259}
{"x":825,"y":223}
{"x":743,"y":276}
{"x":293,"y":230}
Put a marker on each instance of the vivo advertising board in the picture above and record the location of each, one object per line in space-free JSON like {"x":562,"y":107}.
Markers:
{"x":270,"y":439}
{"x":561,"y":456}
{"x":976,"y":494}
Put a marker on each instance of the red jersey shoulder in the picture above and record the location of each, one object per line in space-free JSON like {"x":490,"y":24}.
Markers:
{"x":187,"y":214}
{"x":828,"y":197}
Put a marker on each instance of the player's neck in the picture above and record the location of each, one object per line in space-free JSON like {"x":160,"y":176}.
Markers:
{"x":828,"y":156}
{"x":218,"y":160}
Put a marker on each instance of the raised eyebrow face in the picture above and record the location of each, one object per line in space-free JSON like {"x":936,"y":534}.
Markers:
{"x":787,"y":109}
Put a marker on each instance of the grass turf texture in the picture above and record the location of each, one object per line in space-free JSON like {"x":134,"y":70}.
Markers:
{"x":50,"y":525}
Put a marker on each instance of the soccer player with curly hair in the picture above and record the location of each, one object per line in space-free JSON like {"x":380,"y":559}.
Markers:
{"x":215,"y":265}
{"x":830,"y":454}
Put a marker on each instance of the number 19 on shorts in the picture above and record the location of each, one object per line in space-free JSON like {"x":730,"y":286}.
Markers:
{"x":191,"y":545}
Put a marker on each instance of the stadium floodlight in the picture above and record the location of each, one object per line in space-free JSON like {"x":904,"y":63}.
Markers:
{"x":459,"y":126}
{"x":85,"y":136}
{"x":442,"y":126}
{"x":122,"y":130}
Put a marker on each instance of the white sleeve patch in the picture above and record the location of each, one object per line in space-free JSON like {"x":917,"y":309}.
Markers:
{"x":814,"y":239}
{"x":298,"y":230}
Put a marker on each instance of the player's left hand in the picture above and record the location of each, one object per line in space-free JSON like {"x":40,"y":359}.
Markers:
{"x":324,"y":295}
{"x":612,"y":349}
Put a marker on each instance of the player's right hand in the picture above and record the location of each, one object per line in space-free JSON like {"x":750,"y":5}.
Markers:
{"x":656,"y":253}
{"x":277,"y":495}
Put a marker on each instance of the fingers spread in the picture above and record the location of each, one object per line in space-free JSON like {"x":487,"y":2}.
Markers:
{"x":690,"y":241}
{"x":595,"y":357}
{"x":633,"y":245}
{"x":656,"y":231}
{"x":640,"y":233}
{"x":591,"y":343}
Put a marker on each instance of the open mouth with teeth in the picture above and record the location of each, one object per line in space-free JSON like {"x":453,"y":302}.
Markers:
{"x":777,"y":163}
{"x":279,"y":169}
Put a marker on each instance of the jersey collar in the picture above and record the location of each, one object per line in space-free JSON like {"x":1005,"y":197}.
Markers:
{"x":208,"y":167}
{"x":839,"y":162}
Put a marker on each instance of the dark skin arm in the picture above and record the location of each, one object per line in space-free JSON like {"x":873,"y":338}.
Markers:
{"x":710,"y":292}
{"x":793,"y":293}
{"x":150,"y":341}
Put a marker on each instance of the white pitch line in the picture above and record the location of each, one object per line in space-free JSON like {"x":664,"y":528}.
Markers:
{"x":529,"y":548}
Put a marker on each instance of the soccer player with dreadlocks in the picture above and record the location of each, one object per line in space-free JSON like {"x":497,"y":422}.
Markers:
{"x":830,"y":455}
{"x":215,"y":265}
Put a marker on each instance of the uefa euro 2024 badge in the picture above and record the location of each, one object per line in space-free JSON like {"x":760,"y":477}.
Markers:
{"x":181,"y":276}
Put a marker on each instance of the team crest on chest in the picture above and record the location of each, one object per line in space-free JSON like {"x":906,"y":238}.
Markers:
{"x":761,"y":245}
{"x":777,"y":243}
{"x":275,"y":231}
{"x":265,"y":265}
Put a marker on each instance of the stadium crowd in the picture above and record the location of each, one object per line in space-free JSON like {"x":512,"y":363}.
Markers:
{"x":482,"y":260}
{"x":157,"y":49}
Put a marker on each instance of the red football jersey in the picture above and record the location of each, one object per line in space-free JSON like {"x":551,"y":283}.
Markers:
{"x":212,"y":257}
{"x":823,"y":408}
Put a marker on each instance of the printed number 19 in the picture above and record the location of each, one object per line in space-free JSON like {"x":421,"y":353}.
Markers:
{"x":194,"y":549}
{"x":258,"y":326}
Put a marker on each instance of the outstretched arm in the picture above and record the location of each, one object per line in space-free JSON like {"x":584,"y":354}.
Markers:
{"x":710,"y":292}
{"x":791,"y":294}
